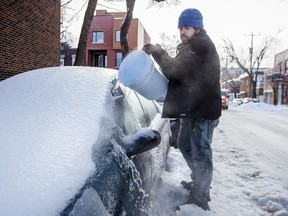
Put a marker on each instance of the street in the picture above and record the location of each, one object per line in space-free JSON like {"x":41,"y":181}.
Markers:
{"x":250,"y":157}
{"x":263,"y":135}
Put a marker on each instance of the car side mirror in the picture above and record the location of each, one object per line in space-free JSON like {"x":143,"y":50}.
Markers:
{"x":141,"y":141}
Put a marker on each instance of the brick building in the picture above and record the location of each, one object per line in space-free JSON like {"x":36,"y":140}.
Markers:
{"x":103,"y":46}
{"x":277,"y":80}
{"x":227,"y":74}
{"x":29,"y":35}
{"x":246,"y":87}
{"x":229,"y":79}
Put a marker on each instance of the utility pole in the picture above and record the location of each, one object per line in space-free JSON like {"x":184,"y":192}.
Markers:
{"x":251,"y":48}
{"x":251,"y":59}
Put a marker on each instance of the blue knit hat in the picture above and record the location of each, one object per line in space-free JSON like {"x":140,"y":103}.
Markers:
{"x":191,"y":18}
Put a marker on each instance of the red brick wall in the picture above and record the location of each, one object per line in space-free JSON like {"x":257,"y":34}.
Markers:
{"x":132,"y":34}
{"x":109,"y":23}
{"x":101,"y":23}
{"x":29,"y":35}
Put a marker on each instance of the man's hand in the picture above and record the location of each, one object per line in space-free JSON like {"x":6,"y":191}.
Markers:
{"x":150,"y":48}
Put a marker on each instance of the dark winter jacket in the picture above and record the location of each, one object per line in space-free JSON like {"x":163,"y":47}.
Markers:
{"x":193,"y":88}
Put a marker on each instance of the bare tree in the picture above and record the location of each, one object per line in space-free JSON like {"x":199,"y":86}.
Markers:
{"x":233,"y":85}
{"x":82,"y":44}
{"x":161,"y":3}
{"x":64,"y":24}
{"x":125,"y":27}
{"x":229,"y":49}
{"x":169,"y":43}
{"x":68,"y":15}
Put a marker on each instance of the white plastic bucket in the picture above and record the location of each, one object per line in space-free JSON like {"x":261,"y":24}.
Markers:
{"x":137,"y":71}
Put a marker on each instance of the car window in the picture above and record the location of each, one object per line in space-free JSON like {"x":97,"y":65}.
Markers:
{"x":150,"y":108}
{"x":138,"y":111}
{"x":130,"y":122}
{"x":137,"y":108}
{"x":134,"y":116}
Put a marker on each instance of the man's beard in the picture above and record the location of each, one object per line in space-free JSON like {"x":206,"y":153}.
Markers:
{"x":184,"y":38}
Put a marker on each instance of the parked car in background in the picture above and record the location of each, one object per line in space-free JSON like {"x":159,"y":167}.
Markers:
{"x":74,"y":141}
{"x":225,"y":98}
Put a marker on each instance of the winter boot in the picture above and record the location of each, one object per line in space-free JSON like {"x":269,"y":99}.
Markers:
{"x":187,"y":185}
{"x":194,"y":200}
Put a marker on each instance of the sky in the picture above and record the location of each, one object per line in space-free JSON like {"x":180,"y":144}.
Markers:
{"x":235,"y":20}
{"x":249,"y":150}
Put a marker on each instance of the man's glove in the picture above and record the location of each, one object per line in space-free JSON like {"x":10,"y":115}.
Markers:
{"x":150,"y":48}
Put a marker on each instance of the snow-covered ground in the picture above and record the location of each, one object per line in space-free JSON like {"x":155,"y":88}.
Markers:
{"x":250,"y":152}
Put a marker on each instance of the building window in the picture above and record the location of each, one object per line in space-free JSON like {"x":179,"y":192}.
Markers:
{"x":117,"y":36}
{"x":118,"y":59}
{"x":286,"y":66}
{"x":97,"y":37}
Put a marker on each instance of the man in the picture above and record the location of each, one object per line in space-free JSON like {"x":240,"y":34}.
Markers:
{"x":193,"y":95}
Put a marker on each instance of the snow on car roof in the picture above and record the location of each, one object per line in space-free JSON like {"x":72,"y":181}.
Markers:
{"x":49,"y":122}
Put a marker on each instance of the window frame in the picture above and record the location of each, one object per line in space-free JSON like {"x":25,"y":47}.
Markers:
{"x":117,"y":60}
{"x":97,"y":40}
{"x":116,"y":36}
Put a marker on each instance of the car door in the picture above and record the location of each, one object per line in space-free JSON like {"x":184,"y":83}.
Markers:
{"x":147,"y":113}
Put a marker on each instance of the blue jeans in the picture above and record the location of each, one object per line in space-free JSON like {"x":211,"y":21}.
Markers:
{"x":194,"y":142}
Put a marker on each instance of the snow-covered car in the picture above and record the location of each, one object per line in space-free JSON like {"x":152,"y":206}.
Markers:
{"x":74,"y":141}
{"x":237,"y":101}
{"x":248,"y":100}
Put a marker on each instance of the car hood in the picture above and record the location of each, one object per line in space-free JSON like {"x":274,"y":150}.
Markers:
{"x":50,"y":120}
